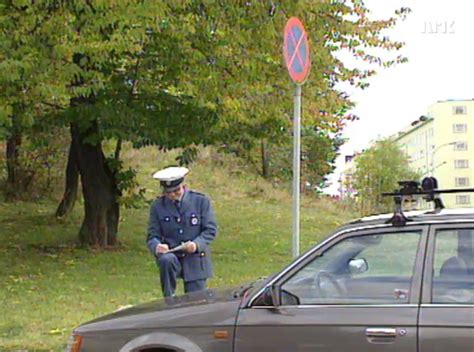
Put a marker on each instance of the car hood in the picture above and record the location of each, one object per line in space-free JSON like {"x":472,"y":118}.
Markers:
{"x":202,"y":308}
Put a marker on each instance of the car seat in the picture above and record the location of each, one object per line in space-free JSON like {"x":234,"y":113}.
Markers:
{"x":454,"y":284}
{"x":453,"y":268}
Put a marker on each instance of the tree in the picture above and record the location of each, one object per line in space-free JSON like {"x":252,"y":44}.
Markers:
{"x":176,"y":75}
{"x":318,"y":154}
{"x":26,"y":79}
{"x":257,"y":116}
{"x":118,"y":66}
{"x":129,"y":58}
{"x":378,"y":169}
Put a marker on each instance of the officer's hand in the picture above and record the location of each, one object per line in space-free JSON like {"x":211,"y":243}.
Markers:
{"x":162,"y":249}
{"x":191,"y":247}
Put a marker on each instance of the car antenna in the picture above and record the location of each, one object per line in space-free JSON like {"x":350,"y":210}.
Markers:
{"x":428,"y":191}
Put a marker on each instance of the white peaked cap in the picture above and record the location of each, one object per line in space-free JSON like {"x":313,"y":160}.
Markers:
{"x":171,"y":173}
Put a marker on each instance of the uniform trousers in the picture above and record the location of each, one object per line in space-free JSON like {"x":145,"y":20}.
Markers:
{"x":170,"y":270}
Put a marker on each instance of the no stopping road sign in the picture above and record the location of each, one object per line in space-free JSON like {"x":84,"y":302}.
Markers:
{"x":296,"y":50}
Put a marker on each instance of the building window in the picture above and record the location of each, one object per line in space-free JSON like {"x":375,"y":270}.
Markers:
{"x":463,"y":199}
{"x":462,"y":181}
{"x":461,"y":164}
{"x":419,"y":139}
{"x":459,"y":110}
{"x":459,"y":128}
{"x":460,"y":146}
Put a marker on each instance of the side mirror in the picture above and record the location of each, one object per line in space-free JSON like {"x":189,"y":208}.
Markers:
{"x":267,"y":298}
{"x":289,"y":299}
{"x":273,"y":297}
{"x":358,"y":266}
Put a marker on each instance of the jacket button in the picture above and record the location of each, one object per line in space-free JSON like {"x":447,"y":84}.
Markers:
{"x":181,"y":231}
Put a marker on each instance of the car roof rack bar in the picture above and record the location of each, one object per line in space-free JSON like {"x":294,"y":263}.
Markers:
{"x":436,"y":191}
{"x":428,"y":191}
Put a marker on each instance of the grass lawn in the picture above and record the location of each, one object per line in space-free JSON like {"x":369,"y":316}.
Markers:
{"x":49,"y":285}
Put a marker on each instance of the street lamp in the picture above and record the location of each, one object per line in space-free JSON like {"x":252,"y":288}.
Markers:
{"x":434,"y":152}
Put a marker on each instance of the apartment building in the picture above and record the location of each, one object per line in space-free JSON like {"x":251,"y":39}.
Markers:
{"x":346,"y":188}
{"x":441,"y":144}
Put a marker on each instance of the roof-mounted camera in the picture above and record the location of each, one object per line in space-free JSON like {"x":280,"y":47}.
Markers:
{"x":409,"y":190}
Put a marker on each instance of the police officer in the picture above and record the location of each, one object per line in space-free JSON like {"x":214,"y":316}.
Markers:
{"x":181,"y":227}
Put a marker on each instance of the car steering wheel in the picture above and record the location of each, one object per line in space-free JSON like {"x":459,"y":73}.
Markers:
{"x":323,"y":276}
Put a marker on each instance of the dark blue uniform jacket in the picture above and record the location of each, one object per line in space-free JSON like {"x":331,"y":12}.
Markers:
{"x":193,"y":220}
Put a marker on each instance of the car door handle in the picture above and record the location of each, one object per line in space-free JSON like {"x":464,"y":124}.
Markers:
{"x":381,"y":332}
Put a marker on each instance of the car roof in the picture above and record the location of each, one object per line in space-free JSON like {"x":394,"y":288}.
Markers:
{"x":416,"y":216}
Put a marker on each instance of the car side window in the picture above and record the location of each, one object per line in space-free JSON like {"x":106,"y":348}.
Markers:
{"x":368,"y":269}
{"x":453,"y":269}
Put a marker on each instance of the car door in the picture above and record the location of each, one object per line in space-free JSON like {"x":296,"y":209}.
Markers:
{"x":358,"y":291}
{"x":447,"y":309}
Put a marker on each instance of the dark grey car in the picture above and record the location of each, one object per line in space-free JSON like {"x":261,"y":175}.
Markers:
{"x":370,"y":286}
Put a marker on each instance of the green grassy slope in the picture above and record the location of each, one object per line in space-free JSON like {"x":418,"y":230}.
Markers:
{"x":48,"y":286}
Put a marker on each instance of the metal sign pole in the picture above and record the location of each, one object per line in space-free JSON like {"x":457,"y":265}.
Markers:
{"x":296,"y":170}
{"x":296,"y":54}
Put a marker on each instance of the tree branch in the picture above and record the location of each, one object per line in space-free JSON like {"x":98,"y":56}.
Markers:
{"x":54,"y":105}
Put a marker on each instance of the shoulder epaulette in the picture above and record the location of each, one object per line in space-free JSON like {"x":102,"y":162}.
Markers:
{"x":197,"y":193}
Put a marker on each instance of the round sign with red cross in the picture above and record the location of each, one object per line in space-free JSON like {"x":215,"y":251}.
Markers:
{"x":296,"y":50}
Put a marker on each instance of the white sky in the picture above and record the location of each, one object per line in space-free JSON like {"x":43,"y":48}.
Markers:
{"x":439,"y":37}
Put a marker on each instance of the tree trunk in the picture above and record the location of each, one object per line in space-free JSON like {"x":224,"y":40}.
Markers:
{"x":118,"y":149}
{"x":14,"y":186}
{"x":99,"y":188}
{"x":72,"y":183}
{"x":12,"y":153}
{"x":265,"y":160}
